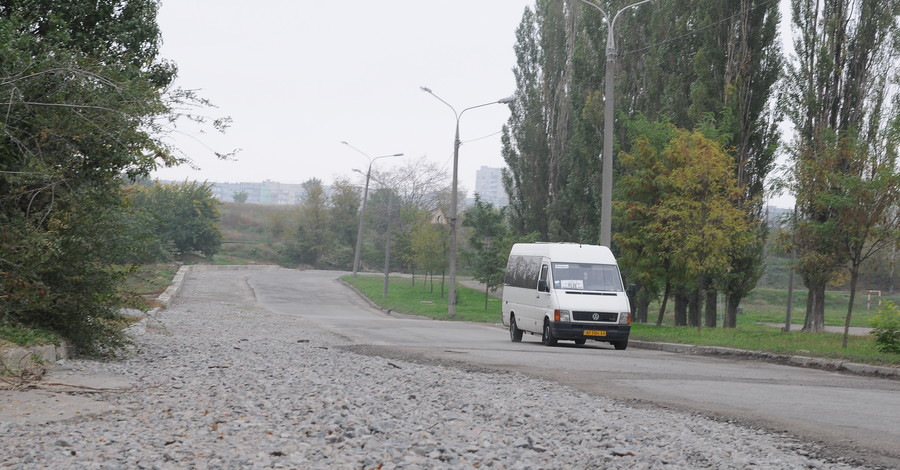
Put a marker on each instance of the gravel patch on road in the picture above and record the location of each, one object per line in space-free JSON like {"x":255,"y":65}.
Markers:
{"x":227,"y":387}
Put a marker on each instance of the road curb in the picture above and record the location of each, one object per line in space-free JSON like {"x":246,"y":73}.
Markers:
{"x":32,"y":359}
{"x":801,"y":361}
{"x":175,"y":287}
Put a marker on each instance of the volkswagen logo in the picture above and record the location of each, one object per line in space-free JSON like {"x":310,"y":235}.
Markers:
{"x":596,"y":316}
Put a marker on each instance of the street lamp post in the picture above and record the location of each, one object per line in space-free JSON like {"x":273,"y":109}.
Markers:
{"x":387,"y":237}
{"x":451,"y":296}
{"x":362,"y":211}
{"x":608,"y":105}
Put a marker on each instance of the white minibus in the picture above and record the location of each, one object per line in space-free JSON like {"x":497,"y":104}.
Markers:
{"x":565,"y":291}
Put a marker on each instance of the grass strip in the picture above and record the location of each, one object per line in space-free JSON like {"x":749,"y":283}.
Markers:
{"x":422,"y":299}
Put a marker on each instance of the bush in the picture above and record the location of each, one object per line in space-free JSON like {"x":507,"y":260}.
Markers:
{"x":887,"y":328}
{"x":184,"y":215}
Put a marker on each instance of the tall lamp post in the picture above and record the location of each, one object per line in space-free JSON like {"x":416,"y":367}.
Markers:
{"x":362,"y":211}
{"x":387,"y":237}
{"x":609,"y":104}
{"x":451,"y":296}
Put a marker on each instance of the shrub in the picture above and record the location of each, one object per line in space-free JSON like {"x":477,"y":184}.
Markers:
{"x":887,"y":328}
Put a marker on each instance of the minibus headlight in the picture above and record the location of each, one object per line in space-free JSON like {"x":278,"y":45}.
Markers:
{"x":625,"y":318}
{"x":561,"y":315}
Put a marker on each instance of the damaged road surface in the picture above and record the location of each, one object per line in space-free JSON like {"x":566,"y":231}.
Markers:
{"x":852,"y":415}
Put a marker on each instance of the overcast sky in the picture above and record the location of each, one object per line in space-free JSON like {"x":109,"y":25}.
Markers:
{"x":299,"y":76}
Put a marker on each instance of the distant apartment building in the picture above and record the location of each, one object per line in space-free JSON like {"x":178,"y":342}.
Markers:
{"x":489,"y":185}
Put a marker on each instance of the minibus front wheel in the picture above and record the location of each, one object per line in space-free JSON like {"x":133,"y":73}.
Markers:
{"x":547,"y":338}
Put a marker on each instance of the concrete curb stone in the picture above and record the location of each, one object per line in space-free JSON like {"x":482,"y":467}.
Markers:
{"x":802,"y":361}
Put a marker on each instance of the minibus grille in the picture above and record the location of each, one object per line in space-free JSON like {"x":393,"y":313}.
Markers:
{"x":610,"y":317}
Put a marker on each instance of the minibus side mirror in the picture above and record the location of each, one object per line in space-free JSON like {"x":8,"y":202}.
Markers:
{"x":631,"y":291}
{"x":542,"y":286}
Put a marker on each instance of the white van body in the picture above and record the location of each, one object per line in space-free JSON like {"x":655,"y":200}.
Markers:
{"x":565,"y":291}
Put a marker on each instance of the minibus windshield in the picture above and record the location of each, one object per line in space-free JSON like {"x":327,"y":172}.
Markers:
{"x":587,"y":277}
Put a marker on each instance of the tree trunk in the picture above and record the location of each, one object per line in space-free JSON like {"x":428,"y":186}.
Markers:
{"x":815,"y":309}
{"x":694,"y":308}
{"x":711,"y":307}
{"x":681,"y":304}
{"x":662,"y":308}
{"x":485,"y":297}
{"x":854,"y":277}
{"x":642,"y":313}
{"x":731,"y":306}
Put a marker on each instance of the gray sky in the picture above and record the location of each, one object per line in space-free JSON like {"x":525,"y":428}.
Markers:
{"x":299,"y":77}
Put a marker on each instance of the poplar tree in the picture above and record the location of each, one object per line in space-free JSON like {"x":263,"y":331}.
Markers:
{"x":526,"y":147}
{"x":838,"y":88}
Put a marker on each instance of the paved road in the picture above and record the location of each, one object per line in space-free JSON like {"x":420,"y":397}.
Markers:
{"x":853,"y":414}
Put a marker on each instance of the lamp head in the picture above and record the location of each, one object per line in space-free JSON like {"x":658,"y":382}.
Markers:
{"x":507,"y":100}
{"x":425,"y":89}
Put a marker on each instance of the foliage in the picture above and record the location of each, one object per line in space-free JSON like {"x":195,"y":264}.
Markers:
{"x":62,"y":277}
{"x":489,"y":242}
{"x":680,"y":219}
{"x":86,"y":102}
{"x":428,"y":243}
{"x":240,"y":197}
{"x":839,"y":97}
{"x":525,"y":142}
{"x":312,"y":237}
{"x":185,"y":216}
{"x":344,"y":217}
{"x":26,"y":336}
{"x":886,"y":328}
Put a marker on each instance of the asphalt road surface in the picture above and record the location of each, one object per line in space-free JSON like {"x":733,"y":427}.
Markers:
{"x":853,"y":415}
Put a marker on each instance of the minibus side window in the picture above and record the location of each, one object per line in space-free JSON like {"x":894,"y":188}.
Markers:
{"x":542,"y":282}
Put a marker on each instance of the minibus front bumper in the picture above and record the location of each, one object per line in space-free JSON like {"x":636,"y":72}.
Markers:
{"x":606,"y":332}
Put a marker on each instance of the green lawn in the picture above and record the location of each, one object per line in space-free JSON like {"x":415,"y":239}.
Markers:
{"x":426,"y":298}
{"x":765,"y":305}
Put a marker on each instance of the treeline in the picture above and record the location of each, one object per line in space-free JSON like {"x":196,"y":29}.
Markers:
{"x":403,"y":224}
{"x":86,"y":105}
{"x":702,"y":89}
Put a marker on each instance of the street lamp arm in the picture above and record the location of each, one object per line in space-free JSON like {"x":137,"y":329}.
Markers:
{"x":383,"y":156}
{"x":601,"y":10}
{"x":623,"y":9}
{"x":428,"y":90}
{"x":611,"y":22}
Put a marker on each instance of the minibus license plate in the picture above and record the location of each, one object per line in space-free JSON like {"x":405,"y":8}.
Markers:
{"x":594,"y":333}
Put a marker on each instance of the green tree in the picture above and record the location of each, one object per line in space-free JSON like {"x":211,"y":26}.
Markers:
{"x":86,"y":100}
{"x":344,"y":217}
{"x":836,"y":92}
{"x":526,"y":146}
{"x":489,"y":242}
{"x":185,"y":215}
{"x":313,"y":236}
{"x":429,"y":244}
{"x":240,"y":197}
{"x":682,"y":209}
{"x":867,"y":208}
{"x":637,"y":192}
